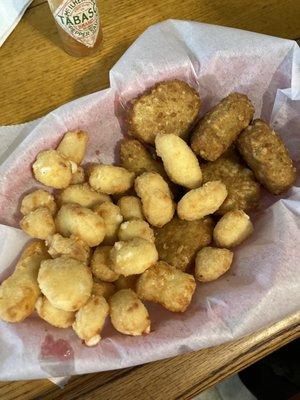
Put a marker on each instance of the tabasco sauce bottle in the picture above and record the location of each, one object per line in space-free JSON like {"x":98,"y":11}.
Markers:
{"x":78,"y":24}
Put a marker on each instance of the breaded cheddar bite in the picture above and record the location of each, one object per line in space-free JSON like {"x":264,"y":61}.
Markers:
{"x":83,"y":195}
{"x":101,"y":264}
{"x":110,"y":179}
{"x":72,"y":247}
{"x":133,"y":256}
{"x":178,"y":242}
{"x":179,"y":161}
{"x":90,"y":319}
{"x":158,"y":206}
{"x":20,"y":291}
{"x":39,"y":223}
{"x":267,"y":156}
{"x":168,"y":107}
{"x":211,"y":263}
{"x":38,"y":198}
{"x":72,"y":219}
{"x":219,"y":128}
{"x":166,"y":285}
{"x":136,"y":228}
{"x":112,"y":218}
{"x":242,"y":187}
{"x":130,"y":208}
{"x":105,"y":289}
{"x":54,"y":316}
{"x":73,"y":146}
{"x":136,"y":158}
{"x":78,"y":176}
{"x":52,"y":169}
{"x":232,"y":229}
{"x":128,"y":314}
{"x":66,"y":283}
{"x":197,"y":203}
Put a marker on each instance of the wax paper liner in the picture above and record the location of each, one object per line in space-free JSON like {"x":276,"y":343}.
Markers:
{"x":262,"y":287}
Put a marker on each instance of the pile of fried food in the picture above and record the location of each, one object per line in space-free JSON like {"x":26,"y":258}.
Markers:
{"x":109,"y":237}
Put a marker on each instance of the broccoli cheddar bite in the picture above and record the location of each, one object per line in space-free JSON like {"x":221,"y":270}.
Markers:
{"x":168,"y":107}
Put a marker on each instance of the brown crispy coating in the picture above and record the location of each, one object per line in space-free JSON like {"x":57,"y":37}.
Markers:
{"x":267,"y":156}
{"x":168,"y":107}
{"x":178,"y":242}
{"x":218,"y":129}
{"x":242,"y":187}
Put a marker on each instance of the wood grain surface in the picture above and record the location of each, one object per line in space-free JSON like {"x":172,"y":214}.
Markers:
{"x":37,"y":76}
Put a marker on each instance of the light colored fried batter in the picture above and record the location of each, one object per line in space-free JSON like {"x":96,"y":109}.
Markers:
{"x":78,"y":176}
{"x":211,"y":263}
{"x":135,"y":228}
{"x":168,"y":107}
{"x":101,"y":264}
{"x":180,"y":163}
{"x":72,"y":247}
{"x":126,"y":282}
{"x":232,"y":229}
{"x":83,"y":195}
{"x":52,"y":169}
{"x":112,"y":218}
{"x":38,"y":198}
{"x":133,"y":256}
{"x":66,"y":283}
{"x":130,"y":208}
{"x":73,"y":146}
{"x":110,"y":179}
{"x":72,"y":219}
{"x":105,"y":289}
{"x":219,"y":128}
{"x":90,"y":319}
{"x":39,"y":223}
{"x":197,"y":203}
{"x":166,"y":285}
{"x":54,"y":316}
{"x":156,"y":196}
{"x":136,"y":158}
{"x":242,"y":187}
{"x":19,"y":292}
{"x":128,"y":314}
{"x":178,"y":242}
{"x":267,"y":156}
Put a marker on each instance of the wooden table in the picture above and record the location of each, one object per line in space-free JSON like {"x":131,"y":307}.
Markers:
{"x":37,"y":76}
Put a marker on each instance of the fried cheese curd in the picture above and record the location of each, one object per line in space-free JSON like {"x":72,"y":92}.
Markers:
{"x":90,"y":319}
{"x":130,"y":208}
{"x":267,"y":156}
{"x":37,"y":199}
{"x":128,"y":314}
{"x":101,"y":264}
{"x":178,"y":241}
{"x":72,"y":219}
{"x":168,"y":107}
{"x":20,"y":291}
{"x":211,"y":263}
{"x":73,"y":146}
{"x":232,"y":229}
{"x":105,"y":289}
{"x":166,"y":285}
{"x":156,"y":197}
{"x":135,"y":228}
{"x":197,"y":203}
{"x":83,"y":195}
{"x":38,"y":223}
{"x":110,"y":179}
{"x":67,"y":283}
{"x":112,"y":218}
{"x":180,"y":163}
{"x":219,"y":128}
{"x":72,"y":247}
{"x":78,"y":176}
{"x":54,"y":316}
{"x":242,"y":187}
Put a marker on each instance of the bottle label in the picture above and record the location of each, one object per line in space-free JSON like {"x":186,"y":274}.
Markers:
{"x":80,"y":19}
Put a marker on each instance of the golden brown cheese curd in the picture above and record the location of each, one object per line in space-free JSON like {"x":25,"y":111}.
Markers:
{"x":105,"y":289}
{"x":72,"y":247}
{"x":72,"y":219}
{"x":166,"y":285}
{"x":168,"y":107}
{"x":112,"y":218}
{"x":110,"y":179}
{"x":211,"y":263}
{"x":219,"y":128}
{"x":83,"y":195}
{"x":135,"y":228}
{"x":54,"y":316}
{"x":128,"y":314}
{"x":157,"y":203}
{"x":66,"y":282}
{"x":73,"y":146}
{"x":130,"y":208}
{"x":267,"y":156}
{"x":38,"y":198}
{"x":101,"y":264}
{"x":39,"y":223}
